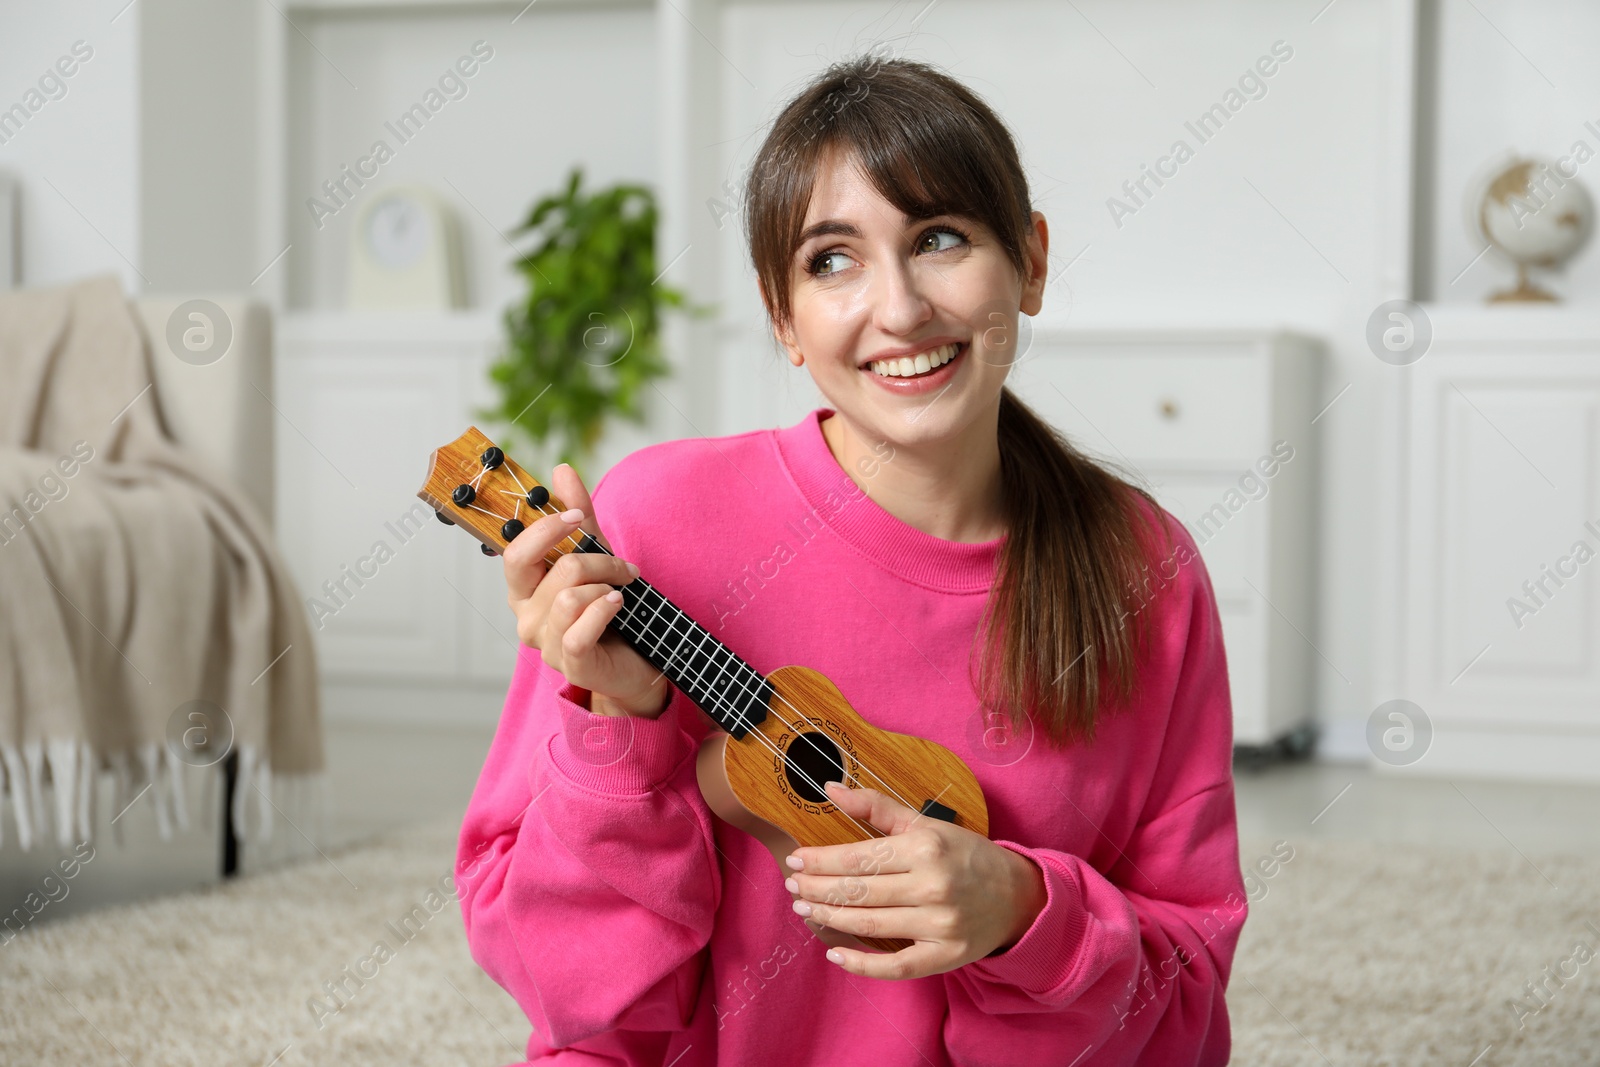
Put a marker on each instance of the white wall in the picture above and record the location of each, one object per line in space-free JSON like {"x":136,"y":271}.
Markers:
{"x":1517,"y":77}
{"x":76,"y":157}
{"x":199,"y":166}
{"x":565,"y":84}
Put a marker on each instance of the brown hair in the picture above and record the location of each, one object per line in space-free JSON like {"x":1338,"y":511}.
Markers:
{"x":1073,"y":563}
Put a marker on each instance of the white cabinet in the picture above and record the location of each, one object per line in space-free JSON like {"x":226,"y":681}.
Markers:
{"x":395,"y":596}
{"x":1499,"y":598}
{"x":1219,"y":426}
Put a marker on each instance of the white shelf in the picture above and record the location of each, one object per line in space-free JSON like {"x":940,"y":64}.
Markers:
{"x":1466,"y":324}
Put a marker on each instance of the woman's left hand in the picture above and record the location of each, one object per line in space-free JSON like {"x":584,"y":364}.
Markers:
{"x":957,"y":894}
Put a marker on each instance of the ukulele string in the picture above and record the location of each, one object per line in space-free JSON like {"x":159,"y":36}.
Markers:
{"x":868,"y":830}
{"x":520,"y":487}
{"x":743,"y":691}
{"x":518,"y":513}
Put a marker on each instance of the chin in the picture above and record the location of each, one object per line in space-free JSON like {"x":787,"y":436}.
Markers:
{"x":914,"y":421}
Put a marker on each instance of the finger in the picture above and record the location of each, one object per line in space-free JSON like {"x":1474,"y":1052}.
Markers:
{"x":586,"y":568}
{"x":570,"y":490}
{"x":883,"y":812}
{"x":917,"y":961}
{"x":860,"y":891}
{"x":875,"y":856}
{"x":570,"y":605}
{"x":590,"y":625}
{"x":524,"y":558}
{"x":870,"y":922}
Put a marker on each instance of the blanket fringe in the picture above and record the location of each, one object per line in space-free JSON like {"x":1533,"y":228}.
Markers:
{"x":48,"y":789}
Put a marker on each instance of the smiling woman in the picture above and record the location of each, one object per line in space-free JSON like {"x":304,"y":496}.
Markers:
{"x":959,"y":564}
{"x":895,"y":255}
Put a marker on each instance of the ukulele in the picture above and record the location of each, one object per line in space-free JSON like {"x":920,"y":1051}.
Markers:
{"x":778,"y":736}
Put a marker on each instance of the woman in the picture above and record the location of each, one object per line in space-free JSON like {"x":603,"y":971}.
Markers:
{"x":963,"y":575}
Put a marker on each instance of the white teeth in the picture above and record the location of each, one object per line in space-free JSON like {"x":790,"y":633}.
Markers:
{"x":907,"y":366}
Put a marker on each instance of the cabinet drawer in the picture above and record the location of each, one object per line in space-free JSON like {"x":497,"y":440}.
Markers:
{"x":1171,"y":410}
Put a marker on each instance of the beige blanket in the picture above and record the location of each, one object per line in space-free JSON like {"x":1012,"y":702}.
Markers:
{"x":131,"y":583}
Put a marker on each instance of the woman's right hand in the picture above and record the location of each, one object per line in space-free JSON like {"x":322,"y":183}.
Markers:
{"x":563,"y":609}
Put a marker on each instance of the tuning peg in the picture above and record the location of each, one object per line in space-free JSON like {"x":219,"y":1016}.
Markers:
{"x":510,"y":530}
{"x":442,"y":517}
{"x":492,"y":457}
{"x":486,"y":550}
{"x":538,"y":497}
{"x":464,"y":494}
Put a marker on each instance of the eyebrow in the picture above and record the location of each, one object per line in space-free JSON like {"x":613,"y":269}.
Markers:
{"x":827,"y":227}
{"x":838,"y":227}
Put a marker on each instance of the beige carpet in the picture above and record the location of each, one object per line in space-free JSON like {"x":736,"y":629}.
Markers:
{"x":1356,"y":954}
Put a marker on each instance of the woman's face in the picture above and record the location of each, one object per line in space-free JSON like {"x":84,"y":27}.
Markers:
{"x":907,"y":326}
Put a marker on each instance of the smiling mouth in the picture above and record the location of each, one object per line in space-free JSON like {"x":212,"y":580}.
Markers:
{"x":914,"y":366}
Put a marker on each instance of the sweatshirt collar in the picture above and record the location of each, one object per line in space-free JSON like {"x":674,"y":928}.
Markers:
{"x":838,"y":502}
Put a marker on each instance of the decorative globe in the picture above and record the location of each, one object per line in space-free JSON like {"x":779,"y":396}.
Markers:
{"x":1534,"y":216}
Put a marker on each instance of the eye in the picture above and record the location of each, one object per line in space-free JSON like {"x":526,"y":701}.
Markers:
{"x":941,"y":239}
{"x":823,"y":264}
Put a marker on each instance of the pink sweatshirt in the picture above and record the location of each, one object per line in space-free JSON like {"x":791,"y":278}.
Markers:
{"x":634,"y":927}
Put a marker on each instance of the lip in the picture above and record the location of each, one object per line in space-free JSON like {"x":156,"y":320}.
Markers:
{"x":925,"y":383}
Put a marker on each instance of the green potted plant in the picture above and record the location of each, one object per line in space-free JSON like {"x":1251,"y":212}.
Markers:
{"x":585,"y":343}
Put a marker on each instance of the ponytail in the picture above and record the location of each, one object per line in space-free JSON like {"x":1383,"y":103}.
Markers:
{"x":1060,"y":633}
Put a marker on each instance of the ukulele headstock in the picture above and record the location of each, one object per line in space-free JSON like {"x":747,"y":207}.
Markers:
{"x":473,"y":484}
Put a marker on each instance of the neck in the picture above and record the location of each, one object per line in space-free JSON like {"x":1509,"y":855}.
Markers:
{"x":729,"y":690}
{"x":949,"y":488}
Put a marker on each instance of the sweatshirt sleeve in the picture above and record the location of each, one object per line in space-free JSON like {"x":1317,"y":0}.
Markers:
{"x":586,"y":868}
{"x":1133,"y":961}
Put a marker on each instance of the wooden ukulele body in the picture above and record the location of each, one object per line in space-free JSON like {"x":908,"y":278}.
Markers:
{"x":756,"y":787}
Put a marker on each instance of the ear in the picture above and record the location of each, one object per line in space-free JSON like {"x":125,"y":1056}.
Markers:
{"x":786,"y":338}
{"x":1038,"y":266}
{"x":783,"y":334}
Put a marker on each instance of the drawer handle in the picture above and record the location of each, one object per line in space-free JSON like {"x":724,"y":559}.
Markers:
{"x":1168,"y":408}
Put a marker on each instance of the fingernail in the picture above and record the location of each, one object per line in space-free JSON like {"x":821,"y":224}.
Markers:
{"x":791,"y":885}
{"x":802,"y":908}
{"x":572,"y":515}
{"x":633,"y":570}
{"x":835,"y":955}
{"x":614,"y":596}
{"x":796,"y":863}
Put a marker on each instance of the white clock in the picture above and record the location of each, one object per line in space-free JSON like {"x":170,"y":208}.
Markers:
{"x":405,"y":253}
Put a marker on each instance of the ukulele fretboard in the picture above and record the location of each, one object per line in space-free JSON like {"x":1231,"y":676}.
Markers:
{"x":727,"y":688}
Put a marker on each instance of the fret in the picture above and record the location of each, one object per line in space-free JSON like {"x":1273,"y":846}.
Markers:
{"x":692,"y":659}
{"x":735,"y":707}
{"x":740,"y":697}
{"x":689,"y":666}
{"x":655,"y":615}
{"x":678,"y":643}
{"x":722,"y":671}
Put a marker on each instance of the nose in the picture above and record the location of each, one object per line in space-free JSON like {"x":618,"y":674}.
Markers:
{"x":899,"y":305}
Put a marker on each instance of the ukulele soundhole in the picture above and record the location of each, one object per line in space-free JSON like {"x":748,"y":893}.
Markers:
{"x":810,"y":760}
